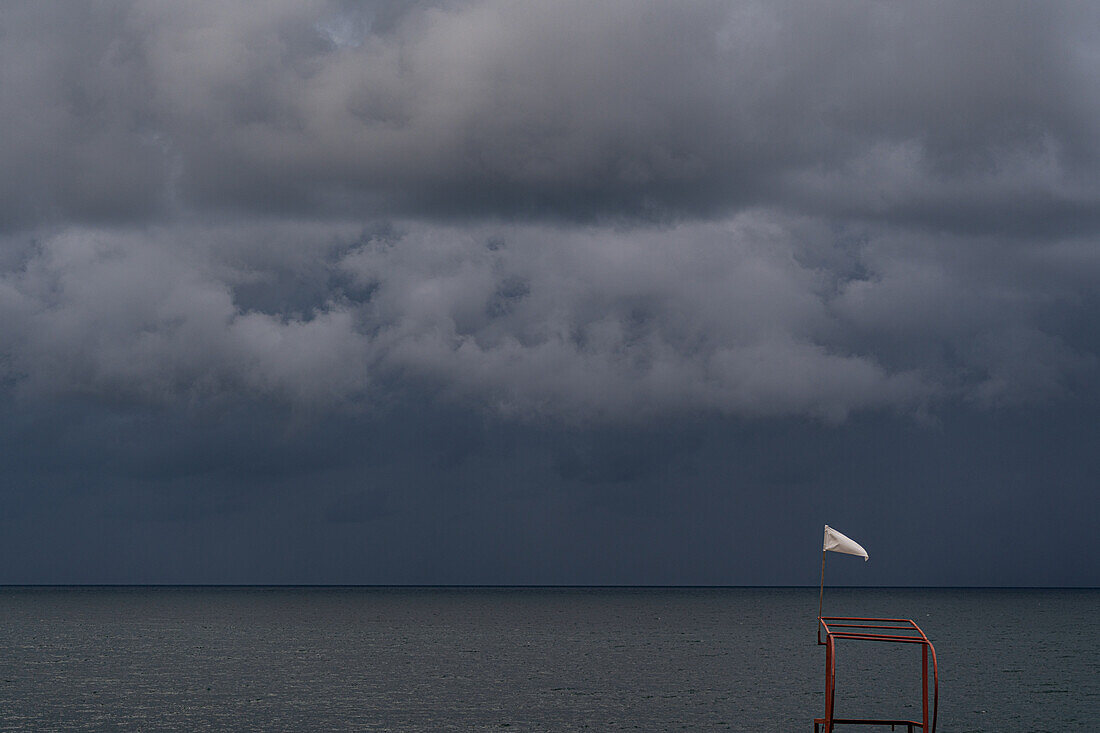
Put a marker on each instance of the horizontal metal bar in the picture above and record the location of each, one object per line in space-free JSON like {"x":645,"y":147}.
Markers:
{"x":868,"y":618}
{"x":870,"y":721}
{"x":871,"y":626}
{"x":906,"y":634}
{"x":881,"y":637}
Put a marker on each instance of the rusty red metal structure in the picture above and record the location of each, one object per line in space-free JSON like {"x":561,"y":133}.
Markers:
{"x":890,"y":630}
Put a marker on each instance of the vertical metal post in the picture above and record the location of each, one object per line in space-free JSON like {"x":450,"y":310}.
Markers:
{"x":924,"y":686}
{"x":821,"y":590}
{"x":830,"y":683}
{"x":820,"y":596}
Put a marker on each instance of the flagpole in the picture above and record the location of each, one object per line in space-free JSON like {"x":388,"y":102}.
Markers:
{"x":821,"y":591}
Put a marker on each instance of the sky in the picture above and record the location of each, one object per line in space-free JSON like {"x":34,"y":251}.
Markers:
{"x":487,"y":292}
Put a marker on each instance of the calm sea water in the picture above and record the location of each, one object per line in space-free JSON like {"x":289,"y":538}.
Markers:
{"x":531,"y":659}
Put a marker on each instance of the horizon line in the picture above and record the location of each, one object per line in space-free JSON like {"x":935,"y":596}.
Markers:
{"x":537,"y":586}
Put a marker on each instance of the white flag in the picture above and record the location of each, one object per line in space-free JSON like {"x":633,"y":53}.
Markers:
{"x":837,"y":542}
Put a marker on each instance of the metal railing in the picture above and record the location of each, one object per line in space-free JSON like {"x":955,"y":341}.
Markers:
{"x":891,"y":630}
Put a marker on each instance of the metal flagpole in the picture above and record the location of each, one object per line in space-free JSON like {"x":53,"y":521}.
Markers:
{"x":821,"y":591}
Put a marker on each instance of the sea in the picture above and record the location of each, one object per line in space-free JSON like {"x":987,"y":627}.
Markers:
{"x":533,"y":659}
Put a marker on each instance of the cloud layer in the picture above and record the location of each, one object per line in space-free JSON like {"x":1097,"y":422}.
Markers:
{"x":754,"y":315}
{"x":585,"y":211}
{"x":971,"y":117}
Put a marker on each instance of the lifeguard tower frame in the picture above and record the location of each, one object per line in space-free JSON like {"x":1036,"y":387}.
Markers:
{"x":890,"y":630}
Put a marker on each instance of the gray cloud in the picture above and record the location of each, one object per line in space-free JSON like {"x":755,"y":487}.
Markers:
{"x":756,"y":315}
{"x":600,"y":211}
{"x":975,"y":117}
{"x":131,"y":316}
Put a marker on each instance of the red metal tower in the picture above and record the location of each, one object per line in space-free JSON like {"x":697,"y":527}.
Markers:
{"x":890,"y":630}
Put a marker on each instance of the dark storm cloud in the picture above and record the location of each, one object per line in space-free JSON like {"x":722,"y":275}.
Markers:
{"x":596,"y":211}
{"x":971,"y":117}
{"x":756,"y":315}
